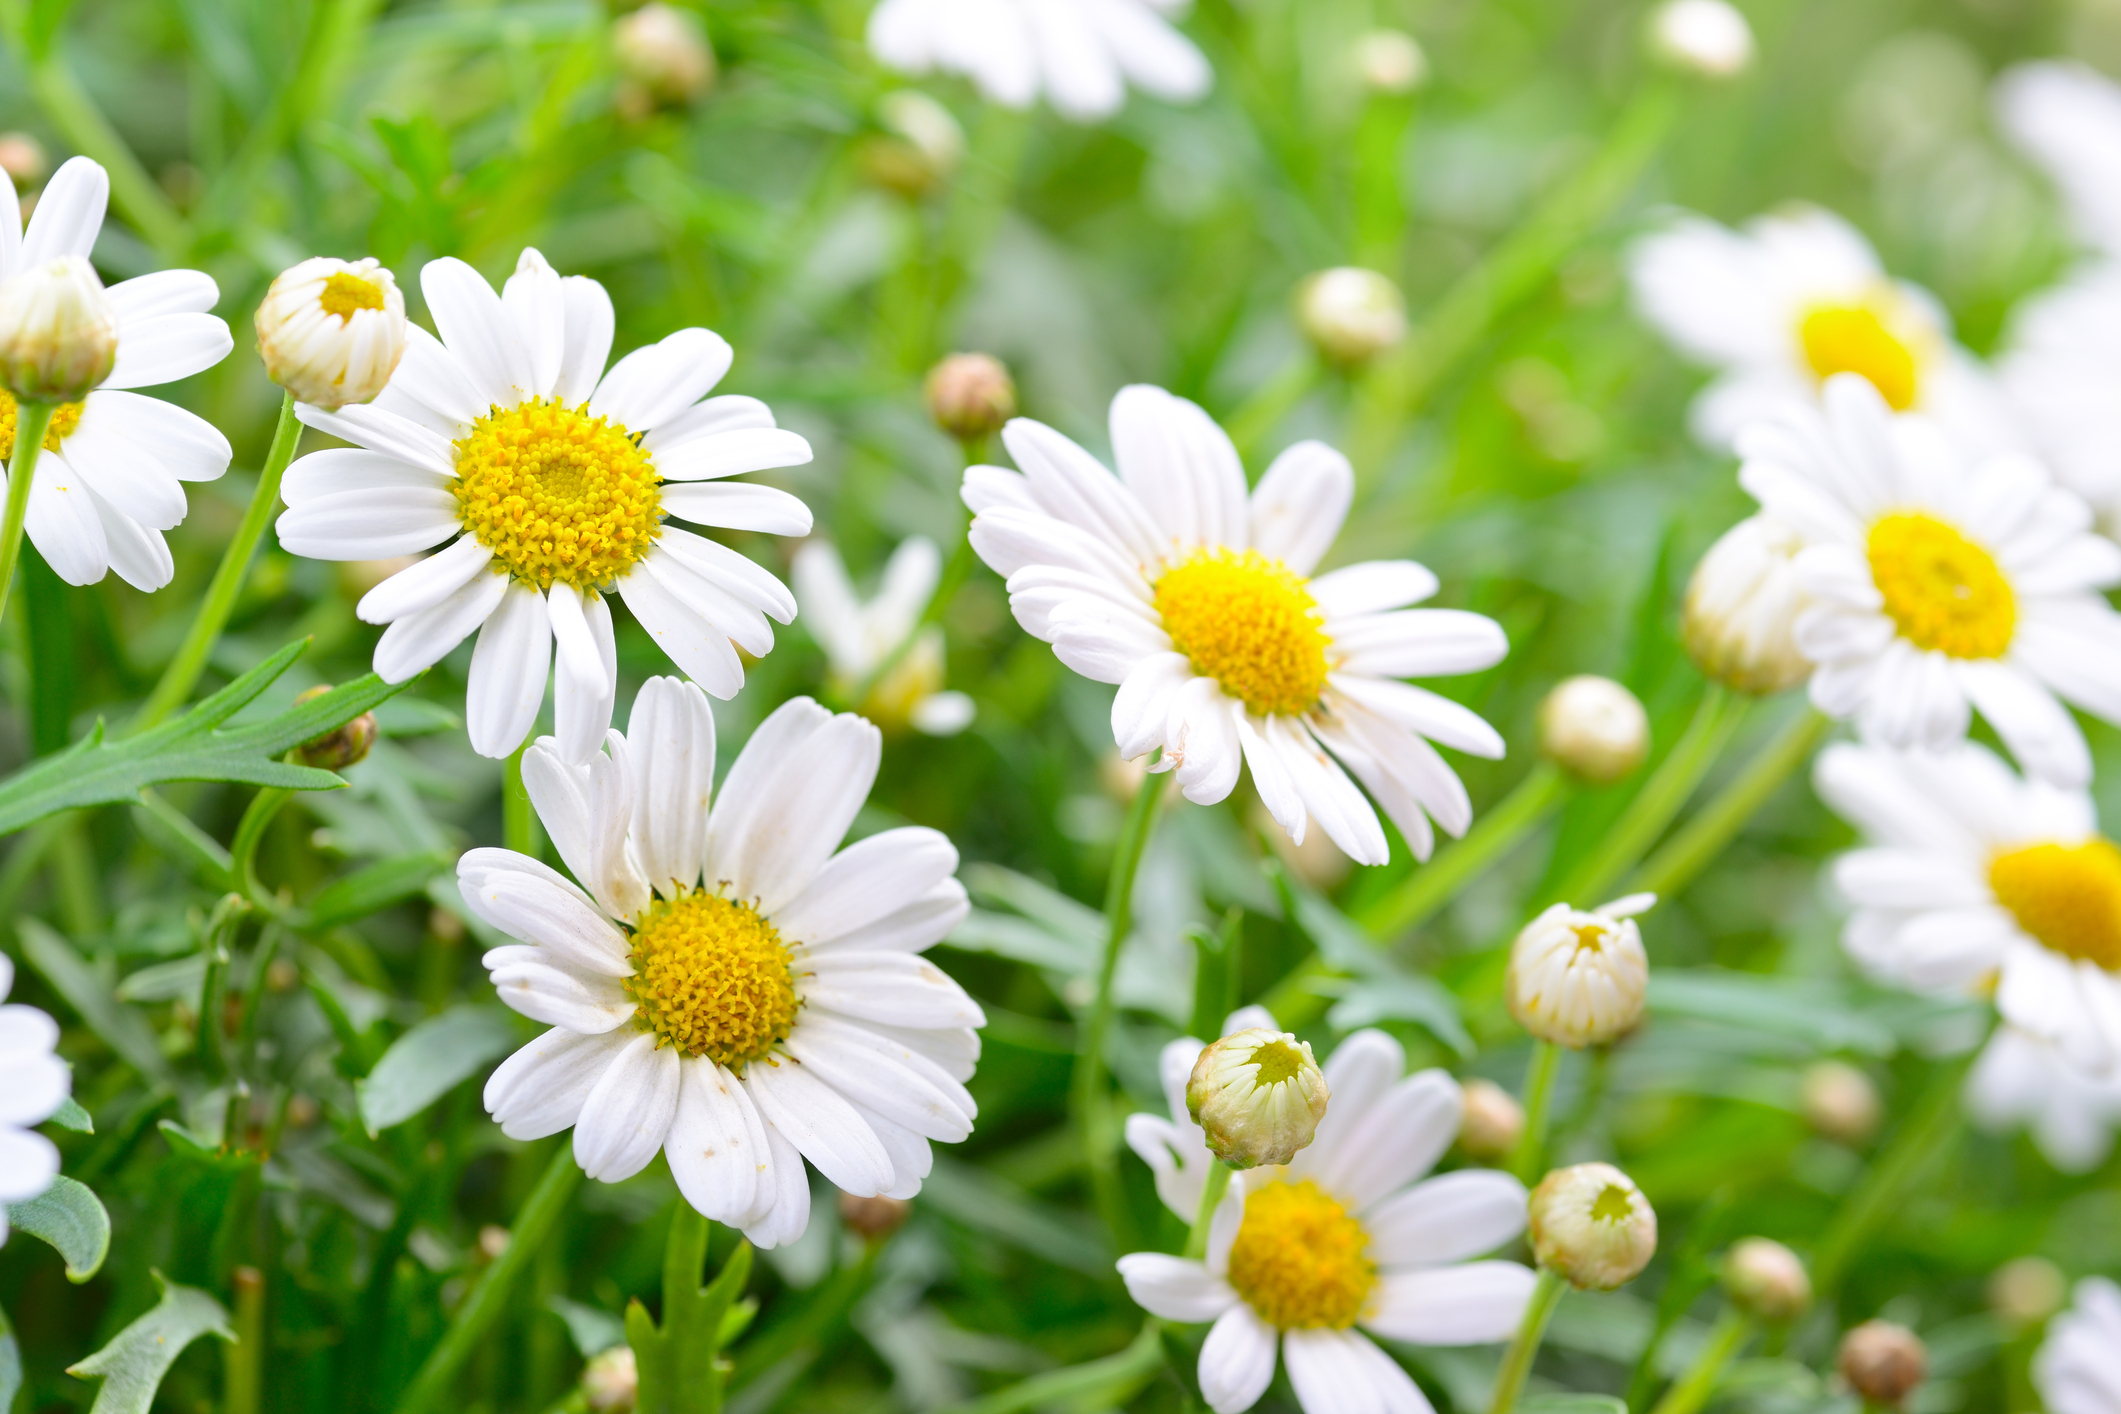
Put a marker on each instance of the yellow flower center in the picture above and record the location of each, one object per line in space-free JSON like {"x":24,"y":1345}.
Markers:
{"x":2067,"y":896}
{"x":1853,"y":339}
{"x":712,"y":978}
{"x":1945,"y":592}
{"x":1250,"y":623}
{"x":345,"y":294}
{"x":65,"y":418}
{"x":557,"y":494}
{"x":1299,"y":1258}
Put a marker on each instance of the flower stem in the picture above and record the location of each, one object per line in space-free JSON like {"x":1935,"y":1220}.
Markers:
{"x":1211,"y":1197}
{"x":1920,"y":1140}
{"x":182,"y":674}
{"x":30,"y":421}
{"x":681,"y":1371}
{"x":1695,"y":844}
{"x":1538,"y":1103}
{"x":250,"y":831}
{"x":1694,"y":1388}
{"x":1517,"y":1361}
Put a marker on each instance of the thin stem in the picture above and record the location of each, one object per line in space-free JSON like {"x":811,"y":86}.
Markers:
{"x":519,"y":822}
{"x":1694,"y":1388}
{"x":1695,"y":844}
{"x":31,"y":419}
{"x":243,"y":1365}
{"x":1077,"y":1383}
{"x":1427,"y":890}
{"x":1517,"y":1361}
{"x":1211,"y":1197}
{"x":684,"y":1265}
{"x":1920,"y":1140}
{"x":250,"y":830}
{"x":1538,"y":1102}
{"x":182,"y":674}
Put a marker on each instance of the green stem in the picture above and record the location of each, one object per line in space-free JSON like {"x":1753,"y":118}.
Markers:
{"x":1517,"y":1361}
{"x":684,"y":1265}
{"x":1077,"y":1383}
{"x":244,"y":1358}
{"x":679,"y":1362}
{"x":1538,"y":1103}
{"x":1272,"y":401}
{"x":1695,"y":844}
{"x":1417,"y":900}
{"x":250,"y":830}
{"x":31,"y":419}
{"x":1211,"y":1197}
{"x":1919,"y":1142}
{"x":1694,"y":1388}
{"x":519,"y":820}
{"x":182,"y":674}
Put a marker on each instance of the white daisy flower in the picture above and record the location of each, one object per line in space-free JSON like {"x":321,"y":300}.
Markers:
{"x":2066,"y":116}
{"x":111,"y":476}
{"x":1348,"y":1234}
{"x":2078,"y":1369}
{"x":1081,"y":54}
{"x":1795,"y":298}
{"x":777,"y":1012}
{"x":1937,"y":585}
{"x":550,"y":478}
{"x":34,"y":1082}
{"x":2024,"y":1081}
{"x":1974,"y":879}
{"x":858,"y":637}
{"x":1196,"y":598}
{"x":2060,"y":366}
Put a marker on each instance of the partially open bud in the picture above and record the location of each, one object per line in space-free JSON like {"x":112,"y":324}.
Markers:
{"x":2025,"y":1292}
{"x":1591,"y":1226}
{"x":22,"y":158}
{"x":1579,"y":979}
{"x":1493,"y":1122}
{"x":1883,"y":1362}
{"x":873,"y":1218}
{"x":58,"y":332}
{"x":1841,"y":1103}
{"x":1391,"y":61}
{"x":611,"y":1381}
{"x":336,"y":750}
{"x":1739,"y":623}
{"x":1705,"y":37}
{"x":970,"y":395}
{"x":663,"y":51}
{"x":920,"y":147}
{"x":1766,"y":1280}
{"x":331,"y":331}
{"x":1594,"y":729}
{"x":1351,"y":314}
{"x":1258,"y":1096}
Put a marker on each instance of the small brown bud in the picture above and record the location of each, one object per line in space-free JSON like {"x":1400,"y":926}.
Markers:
{"x":611,"y":1381}
{"x":970,"y":395}
{"x":282,"y":975}
{"x":346,"y":746}
{"x":2026,"y":1292}
{"x":493,"y":1241}
{"x":22,"y":158}
{"x":1883,"y":1362}
{"x":873,"y":1219}
{"x":303,"y":1110}
{"x":1766,"y":1280}
{"x":663,"y":51}
{"x":1493,"y":1123}
{"x":446,"y":926}
{"x":1841,"y":1103}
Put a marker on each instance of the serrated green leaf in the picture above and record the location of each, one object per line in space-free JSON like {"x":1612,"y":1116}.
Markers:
{"x":132,"y":1365}
{"x":119,"y":1027}
{"x":70,"y":1115}
{"x":10,"y":1364}
{"x":432,"y":1059}
{"x":73,"y":1220}
{"x":375,"y":887}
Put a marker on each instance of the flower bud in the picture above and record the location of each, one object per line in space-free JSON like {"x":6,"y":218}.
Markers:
{"x":1391,"y":61}
{"x":22,"y":158}
{"x":611,"y":1381}
{"x":336,"y":750}
{"x":1579,"y":979}
{"x":58,"y":332}
{"x":1883,"y":1362}
{"x":1739,"y":622}
{"x":1594,"y":729}
{"x":1841,"y":1103}
{"x":1766,"y":1280}
{"x":1258,"y":1096}
{"x":920,"y":148}
{"x":1351,"y":314}
{"x":873,"y":1219}
{"x":970,"y":395}
{"x":1709,"y":38}
{"x":664,"y":52}
{"x":1493,"y":1122}
{"x":1591,"y":1226}
{"x":2025,"y":1292}
{"x":331,"y":332}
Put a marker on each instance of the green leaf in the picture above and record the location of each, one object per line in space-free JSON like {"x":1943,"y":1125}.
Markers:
{"x":72,"y":1220}
{"x":69,"y":1115}
{"x":593,"y":1331}
{"x":1571,"y":1404}
{"x":1817,"y":1012}
{"x":10,"y":1365}
{"x":193,"y":748}
{"x":119,"y":1027}
{"x":1403,"y":997}
{"x":374,"y":888}
{"x":132,"y":1365}
{"x":430,"y":1060}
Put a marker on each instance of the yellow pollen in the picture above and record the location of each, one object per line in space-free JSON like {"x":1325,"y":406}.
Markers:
{"x":1590,"y":937}
{"x":1299,"y":1258}
{"x":1945,"y":592}
{"x":65,"y":418}
{"x":2067,"y":896}
{"x":344,"y":294}
{"x":1250,"y":623}
{"x":557,"y":494}
{"x":1853,"y":339}
{"x":712,"y":978}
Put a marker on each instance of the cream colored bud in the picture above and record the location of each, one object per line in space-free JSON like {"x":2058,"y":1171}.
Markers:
{"x":665,"y":51}
{"x":1705,"y":37}
{"x":1739,"y":622}
{"x":1841,"y":1103}
{"x":1352,"y":315}
{"x":873,"y":1218}
{"x":970,"y":395}
{"x":58,"y":332}
{"x":1391,"y":61}
{"x":1766,"y":1280}
{"x":1579,"y":979}
{"x":1493,"y":1122}
{"x":611,"y":1381}
{"x":1883,"y":1362}
{"x":1258,"y":1096}
{"x":2025,"y":1292}
{"x":920,"y":148}
{"x":1594,"y":729}
{"x":22,"y":158}
{"x":332,"y":331}
{"x":1591,"y":1226}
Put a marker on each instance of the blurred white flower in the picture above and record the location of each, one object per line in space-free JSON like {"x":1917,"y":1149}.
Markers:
{"x":2060,"y":366}
{"x":2078,"y":1369}
{"x":1706,"y":37}
{"x":1739,"y":624}
{"x":2066,"y":116}
{"x":34,"y":1082}
{"x":858,"y":637}
{"x":2025,"y":1081}
{"x":1351,"y":314}
{"x":332,"y":331}
{"x":1391,"y":61}
{"x":1580,"y":978}
{"x":1594,"y":728}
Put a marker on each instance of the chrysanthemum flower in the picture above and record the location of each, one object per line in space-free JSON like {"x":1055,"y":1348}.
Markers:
{"x":1081,"y":54}
{"x":2023,"y":1081}
{"x":551,"y":479}
{"x":111,"y":476}
{"x":33,"y":1083}
{"x":773,"y":1011}
{"x":2060,"y":366}
{"x":2078,"y":1369}
{"x":858,"y":637}
{"x":2066,"y":116}
{"x":1937,"y":585}
{"x":1197,"y":599}
{"x":1973,"y":878}
{"x":1347,"y":1235}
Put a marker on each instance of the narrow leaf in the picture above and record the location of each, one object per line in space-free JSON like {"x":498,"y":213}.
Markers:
{"x":374,"y":888}
{"x":72,"y":1220}
{"x":10,"y":1364}
{"x":432,"y":1059}
{"x":70,"y":1115}
{"x":132,"y":1365}
{"x":120,"y":1028}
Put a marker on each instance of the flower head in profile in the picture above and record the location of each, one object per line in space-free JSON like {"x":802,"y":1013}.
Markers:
{"x":859,"y":638}
{"x":110,"y":477}
{"x":1257,"y":1096}
{"x":1349,"y":1234}
{"x":550,"y":479}
{"x":1580,"y":978}
{"x":1739,"y":624}
{"x":725,"y":987}
{"x":1199,"y":600}
{"x":2078,"y":1369}
{"x":332,"y":331}
{"x":2023,"y":1081}
{"x":34,"y":1082}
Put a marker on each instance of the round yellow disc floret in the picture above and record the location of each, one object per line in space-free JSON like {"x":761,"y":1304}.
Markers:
{"x":346,"y":293}
{"x":1249,"y":622}
{"x":712,"y":977}
{"x":2067,"y":896}
{"x":65,"y":418}
{"x":1945,"y":592}
{"x":557,"y":494}
{"x":1299,"y":1258}
{"x":1853,"y":339}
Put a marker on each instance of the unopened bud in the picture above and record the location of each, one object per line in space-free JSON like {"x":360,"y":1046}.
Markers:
{"x":344,"y":746}
{"x":1883,"y":1362}
{"x":1705,"y":37}
{"x":1841,"y":1103}
{"x":2025,"y":1292}
{"x":1351,"y":314}
{"x":1739,"y":622}
{"x":493,"y":1241}
{"x":1591,"y":1226}
{"x":1391,"y":61}
{"x":22,"y":158}
{"x":331,"y":332}
{"x":1258,"y":1096}
{"x":611,"y":1381}
{"x":1594,"y":729}
{"x":873,"y":1218}
{"x":1493,"y":1122}
{"x":970,"y":395}
{"x":1766,"y":1280}
{"x":920,"y":147}
{"x":1579,"y":978}
{"x":664,"y":50}
{"x":58,"y":332}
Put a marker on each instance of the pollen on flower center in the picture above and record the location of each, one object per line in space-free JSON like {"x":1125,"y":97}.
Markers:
{"x":1943,"y":591}
{"x":1853,"y":339}
{"x":65,"y":418}
{"x":345,"y":294}
{"x":2067,"y":896}
{"x":557,"y":494}
{"x":712,"y":977}
{"x":1299,"y":1258}
{"x":1249,"y":622}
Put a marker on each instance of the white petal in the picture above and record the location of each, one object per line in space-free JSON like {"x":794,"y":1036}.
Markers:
{"x":420,"y":640}
{"x":191,"y":447}
{"x":341,"y":469}
{"x":654,"y":384}
{"x":382,"y":431}
{"x":477,"y":331}
{"x":138,"y":553}
{"x":1182,"y":467}
{"x":589,"y":323}
{"x":716,"y":1146}
{"x":69,"y":213}
{"x":867,"y":881}
{"x":527,"y":907}
{"x":167,"y":348}
{"x":369,"y":525}
{"x":1341,"y":1372}
{"x":782,"y":1210}
{"x":1237,"y":1360}
{"x":1175,"y":1288}
{"x":508,"y":671}
{"x":628,"y":1114}
{"x":671,"y":736}
{"x":541,"y":1089}
{"x":534,"y":300}
{"x":1472,"y":1304}
{"x":586,"y":670}
{"x":62,"y":522}
{"x":728,"y":453}
{"x":896,"y":988}
{"x":1372,"y":587}
{"x":685,"y":637}
{"x":820,"y":1124}
{"x":1446,"y":1219}
{"x":1299,"y":504}
{"x":896,"y":1093}
{"x":426,"y":584}
{"x":737,"y":505}
{"x":770,"y":836}
{"x":536,"y":982}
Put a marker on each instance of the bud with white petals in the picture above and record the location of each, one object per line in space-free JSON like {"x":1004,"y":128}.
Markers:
{"x":1883,"y":1362}
{"x":663,"y":51}
{"x":1766,"y":1280}
{"x":1739,"y":622}
{"x":1705,"y":37}
{"x":611,"y":1381}
{"x":1841,"y":1103}
{"x":58,"y":332}
{"x":1391,"y":61}
{"x":1579,"y":978}
{"x":1258,"y":1097}
{"x":332,"y":331}
{"x":1493,"y":1122}
{"x":1351,"y":314}
{"x":1594,"y":729}
{"x":920,"y":148}
{"x":1591,"y":1226}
